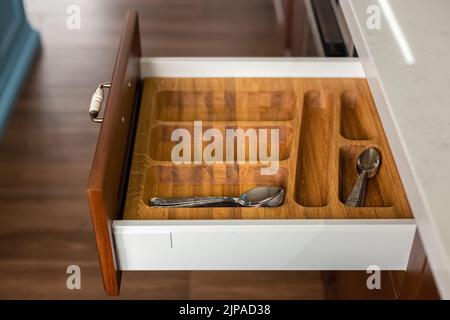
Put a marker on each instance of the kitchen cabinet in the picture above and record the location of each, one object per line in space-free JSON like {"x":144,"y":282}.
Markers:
{"x":312,"y":230}
{"x":419,"y":282}
{"x":316,"y":29}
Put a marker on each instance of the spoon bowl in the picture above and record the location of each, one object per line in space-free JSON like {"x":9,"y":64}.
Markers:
{"x":369,"y":161}
{"x":367,"y":164}
{"x":276,"y":201}
{"x":269,"y":196}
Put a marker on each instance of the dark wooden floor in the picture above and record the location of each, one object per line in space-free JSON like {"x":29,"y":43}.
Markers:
{"x":48,"y":145}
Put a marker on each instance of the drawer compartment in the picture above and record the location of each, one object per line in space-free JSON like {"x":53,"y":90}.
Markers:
{"x":356,"y":116}
{"x":312,"y":184}
{"x":190,"y":104}
{"x":163,"y":144}
{"x":379,"y":191}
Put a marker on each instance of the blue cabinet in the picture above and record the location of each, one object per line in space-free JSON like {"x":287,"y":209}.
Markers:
{"x":18,"y":44}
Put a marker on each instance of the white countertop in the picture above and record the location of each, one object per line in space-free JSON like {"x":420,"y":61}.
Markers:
{"x":407,"y":62}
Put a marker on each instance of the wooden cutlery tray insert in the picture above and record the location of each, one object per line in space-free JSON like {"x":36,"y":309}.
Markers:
{"x":323,"y":126}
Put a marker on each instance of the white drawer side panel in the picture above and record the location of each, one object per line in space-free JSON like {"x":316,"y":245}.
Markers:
{"x":302,"y":67}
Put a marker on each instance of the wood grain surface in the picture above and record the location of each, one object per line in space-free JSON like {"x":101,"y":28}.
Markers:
{"x":324,"y":125}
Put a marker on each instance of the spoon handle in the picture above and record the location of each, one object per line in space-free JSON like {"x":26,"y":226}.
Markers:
{"x":356,"y":197}
{"x":362,"y":194}
{"x":191,"y":202}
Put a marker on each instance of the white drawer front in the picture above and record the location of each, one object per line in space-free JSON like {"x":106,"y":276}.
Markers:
{"x":263,"y":245}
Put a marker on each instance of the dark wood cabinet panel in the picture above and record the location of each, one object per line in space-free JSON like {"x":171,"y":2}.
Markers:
{"x":417,"y":283}
{"x":352,"y":285}
{"x":315,"y":28}
{"x":299,"y":40}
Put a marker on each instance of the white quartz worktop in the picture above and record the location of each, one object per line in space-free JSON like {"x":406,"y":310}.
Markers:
{"x":407,"y":62}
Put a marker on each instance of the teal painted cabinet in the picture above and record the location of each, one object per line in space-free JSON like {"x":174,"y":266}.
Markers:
{"x":18,"y":45}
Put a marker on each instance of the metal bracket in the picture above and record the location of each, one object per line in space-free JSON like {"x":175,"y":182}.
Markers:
{"x":96,"y":102}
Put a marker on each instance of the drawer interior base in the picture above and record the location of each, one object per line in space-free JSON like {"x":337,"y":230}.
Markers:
{"x":322,"y":124}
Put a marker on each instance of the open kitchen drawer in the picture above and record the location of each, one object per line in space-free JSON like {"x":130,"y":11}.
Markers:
{"x":325,"y":116}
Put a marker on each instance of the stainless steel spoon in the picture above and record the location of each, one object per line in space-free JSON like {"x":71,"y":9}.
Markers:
{"x":368,"y":163}
{"x":267,"y":196}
